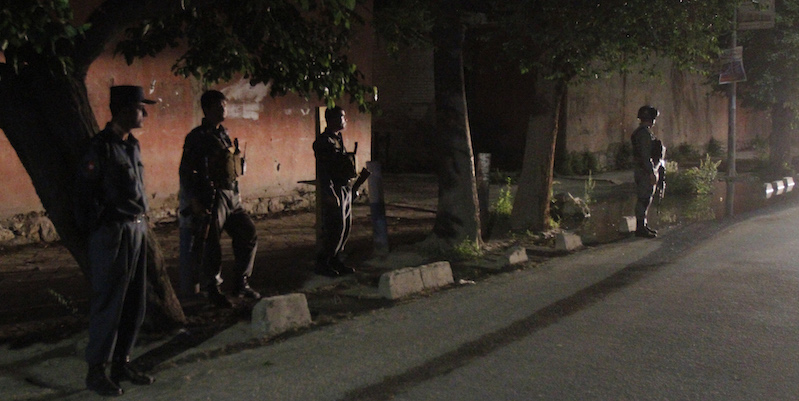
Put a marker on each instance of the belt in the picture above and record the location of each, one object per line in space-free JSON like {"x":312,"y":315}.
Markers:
{"x":116,"y":217}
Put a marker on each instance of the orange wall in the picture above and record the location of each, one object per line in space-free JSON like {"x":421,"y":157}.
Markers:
{"x":278,"y":132}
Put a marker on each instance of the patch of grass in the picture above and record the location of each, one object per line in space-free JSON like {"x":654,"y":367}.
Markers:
{"x":468,"y":250}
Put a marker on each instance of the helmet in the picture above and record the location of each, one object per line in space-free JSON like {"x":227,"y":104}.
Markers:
{"x":648,"y":113}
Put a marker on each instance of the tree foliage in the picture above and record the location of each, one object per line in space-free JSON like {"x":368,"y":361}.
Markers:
{"x":295,"y":46}
{"x":771,"y":57}
{"x":581,"y":39}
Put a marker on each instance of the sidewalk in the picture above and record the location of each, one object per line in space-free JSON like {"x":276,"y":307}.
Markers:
{"x":36,"y":370}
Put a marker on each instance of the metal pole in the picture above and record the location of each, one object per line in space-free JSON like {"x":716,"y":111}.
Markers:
{"x":377,"y":207}
{"x":731,"y":173}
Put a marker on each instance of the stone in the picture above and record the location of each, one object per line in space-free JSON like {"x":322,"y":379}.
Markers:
{"x":400,"y":283}
{"x":274,"y":315}
{"x":627,"y":224}
{"x":435,"y":275}
{"x":567,"y":207}
{"x":516,"y":255}
{"x":567,"y":241}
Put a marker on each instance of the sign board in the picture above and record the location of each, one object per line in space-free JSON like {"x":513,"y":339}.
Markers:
{"x":732,"y":66}
{"x":756,"y":14}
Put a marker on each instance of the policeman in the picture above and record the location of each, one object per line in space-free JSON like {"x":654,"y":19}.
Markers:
{"x":645,"y":168}
{"x":209,"y":173}
{"x":335,"y":167}
{"x":110,"y":208}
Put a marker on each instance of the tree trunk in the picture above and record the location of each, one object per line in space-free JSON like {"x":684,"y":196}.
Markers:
{"x":780,"y":140}
{"x":458,"y":216}
{"x":46,"y":118}
{"x":531,"y":205}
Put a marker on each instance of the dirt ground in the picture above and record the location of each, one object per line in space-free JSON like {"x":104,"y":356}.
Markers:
{"x":45,"y":296}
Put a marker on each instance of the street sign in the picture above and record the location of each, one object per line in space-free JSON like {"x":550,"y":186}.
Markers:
{"x":732,"y":66}
{"x":756,"y":14}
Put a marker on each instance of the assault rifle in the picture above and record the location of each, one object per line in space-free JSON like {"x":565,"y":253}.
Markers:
{"x":208,"y":219}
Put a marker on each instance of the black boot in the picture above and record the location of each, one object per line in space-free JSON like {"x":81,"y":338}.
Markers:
{"x":218,"y":298}
{"x":122,"y":370}
{"x":98,"y":381}
{"x":246,"y":291}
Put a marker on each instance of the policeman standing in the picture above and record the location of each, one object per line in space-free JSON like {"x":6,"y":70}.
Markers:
{"x":335,"y":167}
{"x":208,"y":171}
{"x":110,"y":208}
{"x":645,"y":156}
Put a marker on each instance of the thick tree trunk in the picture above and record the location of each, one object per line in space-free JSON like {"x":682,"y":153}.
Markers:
{"x":531,"y":205}
{"x":46,"y":118}
{"x":458,"y":216}
{"x":780,"y":140}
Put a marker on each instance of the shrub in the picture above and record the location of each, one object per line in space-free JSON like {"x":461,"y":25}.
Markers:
{"x":624,"y":157}
{"x":715,"y":148}
{"x":695,"y":180}
{"x":684,"y":152}
{"x":504,"y":204}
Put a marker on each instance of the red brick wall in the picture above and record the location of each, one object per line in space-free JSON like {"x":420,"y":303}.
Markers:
{"x":278,"y":132}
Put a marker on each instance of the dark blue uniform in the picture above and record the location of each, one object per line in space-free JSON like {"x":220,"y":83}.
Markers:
{"x":111,"y":207}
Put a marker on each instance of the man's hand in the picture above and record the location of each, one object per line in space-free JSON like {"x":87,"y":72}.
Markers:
{"x":197,"y":208}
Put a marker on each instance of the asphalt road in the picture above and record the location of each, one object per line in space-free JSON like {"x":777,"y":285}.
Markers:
{"x":706,"y":312}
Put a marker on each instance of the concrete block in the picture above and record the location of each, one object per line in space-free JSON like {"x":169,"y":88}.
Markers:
{"x":278,"y":314}
{"x":401,"y":282}
{"x":779,"y":187}
{"x":435,"y":275}
{"x":627,"y":224}
{"x":768,"y":189}
{"x":789,"y":183}
{"x":567,"y":242}
{"x":516,"y":254}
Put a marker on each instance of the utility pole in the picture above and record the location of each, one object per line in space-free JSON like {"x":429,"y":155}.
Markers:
{"x":731,"y":171}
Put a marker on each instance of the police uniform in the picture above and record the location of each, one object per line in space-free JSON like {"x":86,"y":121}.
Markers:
{"x":208,"y":175}
{"x":643,"y":145}
{"x":334,"y":169}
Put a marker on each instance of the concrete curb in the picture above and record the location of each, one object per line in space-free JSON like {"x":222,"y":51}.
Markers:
{"x":274,"y":315}
{"x":411,"y":280}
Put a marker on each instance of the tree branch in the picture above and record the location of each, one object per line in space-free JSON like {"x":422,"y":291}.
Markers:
{"x":109,"y":21}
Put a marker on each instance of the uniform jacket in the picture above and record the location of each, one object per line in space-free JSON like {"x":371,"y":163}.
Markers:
{"x":110,"y":181}
{"x":204,"y":166}
{"x":334,"y":165}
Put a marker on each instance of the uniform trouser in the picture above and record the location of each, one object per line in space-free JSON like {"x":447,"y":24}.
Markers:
{"x":117,"y":259}
{"x":644,"y":191}
{"x":233,"y":219}
{"x":336,"y":216}
{"x":189,"y":273}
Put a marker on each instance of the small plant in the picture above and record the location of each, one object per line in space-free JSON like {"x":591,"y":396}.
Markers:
{"x":695,"y":180}
{"x":588,"y":189}
{"x":504,"y":204}
{"x":467,"y":250}
{"x":714,"y":148}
